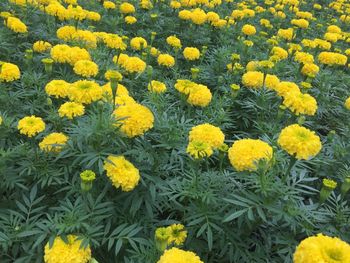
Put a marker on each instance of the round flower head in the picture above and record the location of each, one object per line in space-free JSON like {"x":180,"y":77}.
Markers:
{"x":9,"y":72}
{"x":310,"y":70}
{"x":16,"y":25}
{"x":184,"y":86}
{"x":62,"y":252}
{"x":284,"y":87}
{"x":199,"y":96}
{"x":253,"y":79}
{"x":207,"y":133}
{"x":191,"y":53}
{"x":300,"y":103}
{"x":85,"y":91}
{"x":347,"y":103}
{"x":156,"y":86}
{"x":174,"y":41}
{"x":53,"y":142}
{"x":134,"y":65}
{"x":31,"y":125}
{"x":126,"y":8}
{"x":86,"y":68}
{"x":134,"y":119}
{"x":248,"y":30}
{"x":57,"y":88}
{"x":244,"y":154}
{"x":176,"y":255}
{"x":138,"y":43}
{"x":199,"y":150}
{"x":122,"y":173}
{"x":109,"y":5}
{"x":198,"y":16}
{"x":71,"y":110}
{"x":166,"y":60}
{"x":320,"y":248}
{"x":130,"y":20}
{"x":299,"y":141}
{"x":41,"y":46}
{"x":177,"y":234}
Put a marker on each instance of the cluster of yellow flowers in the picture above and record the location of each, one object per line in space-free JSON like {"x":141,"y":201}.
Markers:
{"x":66,"y":54}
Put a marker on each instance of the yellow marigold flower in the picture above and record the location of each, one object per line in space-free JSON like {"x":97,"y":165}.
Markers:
{"x":331,"y":58}
{"x":16,"y":25}
{"x":60,"y":53}
{"x":114,"y":41}
{"x":317,"y":6}
{"x":334,"y":29}
{"x":85,"y":91}
{"x":1,"y":120}
{"x":41,"y":46}
{"x":199,"y":95}
{"x":176,"y":255}
{"x":299,"y":142}
{"x":306,"y":85}
{"x":177,"y":234}
{"x":271,"y":81}
{"x":166,"y":60}
{"x":71,"y":110}
{"x":252,"y":66}
{"x":320,"y":248}
{"x":174,"y":41}
{"x":109,"y":5}
{"x":265,"y":23}
{"x":130,"y":20}
{"x":9,"y":72}
{"x":248,"y":30}
{"x":134,"y":65}
{"x":248,"y":43}
{"x":286,"y":34}
{"x":156,"y":86}
{"x":302,"y":23}
{"x":57,"y":88}
{"x":185,"y":14}
{"x":213,"y":17}
{"x":138,"y":43}
{"x":207,"y":133}
{"x":244,"y":154}
{"x":62,"y":252}
{"x":31,"y":125}
{"x":284,"y":87}
{"x":113,"y":74}
{"x":300,"y":103}
{"x":330,"y":184}
{"x":126,"y":8}
{"x":347,"y":103}
{"x":332,"y":37}
{"x":303,"y":57}
{"x":279,"y":52}
{"x":198,"y":16}
{"x":310,"y":70}
{"x":134,"y":119}
{"x":184,"y":86}
{"x":76,"y":54}
{"x":54,"y":142}
{"x":199,"y":150}
{"x":121,"y":91}
{"x":93,"y":16}
{"x":122,"y":173}
{"x":191,"y":53}
{"x":86,"y":68}
{"x":253,"y":79}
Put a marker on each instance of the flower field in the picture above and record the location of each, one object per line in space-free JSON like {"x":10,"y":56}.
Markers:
{"x":174,"y":131}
